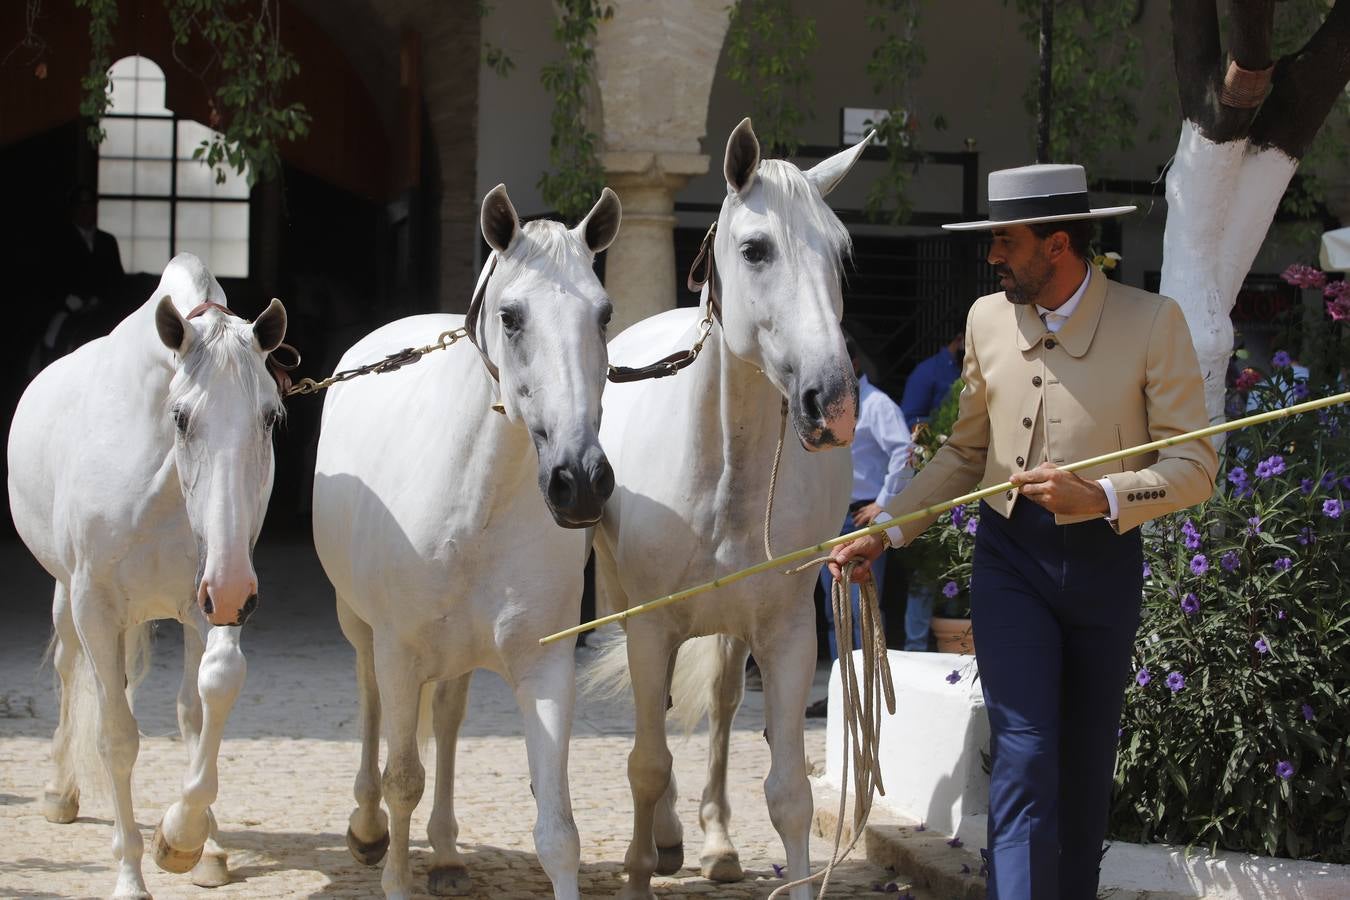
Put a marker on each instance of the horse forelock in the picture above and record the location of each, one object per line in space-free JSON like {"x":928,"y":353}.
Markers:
{"x":796,"y":209}
{"x":223,"y":348}
{"x":550,"y":250}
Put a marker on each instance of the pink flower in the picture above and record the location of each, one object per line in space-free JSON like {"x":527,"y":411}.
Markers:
{"x":1303,"y":276}
{"x":1250,"y":377}
{"x":1339,"y":308}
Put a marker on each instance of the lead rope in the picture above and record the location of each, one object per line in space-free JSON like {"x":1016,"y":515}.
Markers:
{"x":773,"y":479}
{"x":862,"y":712}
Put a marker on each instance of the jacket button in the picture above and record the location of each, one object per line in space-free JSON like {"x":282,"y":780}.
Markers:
{"x":1035,"y":381}
{"x":1049,"y":343}
{"x":1155,"y":495}
{"x":1026,"y":423}
{"x":1021,"y":461}
{"x":1162,"y":493}
{"x":1129,"y":497}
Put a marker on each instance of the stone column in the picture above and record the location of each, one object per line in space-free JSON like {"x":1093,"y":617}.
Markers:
{"x":655,"y":62}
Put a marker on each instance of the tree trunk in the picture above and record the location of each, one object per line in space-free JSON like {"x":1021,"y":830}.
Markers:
{"x":1235,"y":157}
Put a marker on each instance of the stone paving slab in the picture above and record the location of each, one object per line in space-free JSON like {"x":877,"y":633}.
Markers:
{"x":290,"y":754}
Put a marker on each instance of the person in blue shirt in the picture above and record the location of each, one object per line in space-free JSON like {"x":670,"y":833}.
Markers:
{"x":881,"y":448}
{"x":925,"y":389}
{"x":927,"y":385}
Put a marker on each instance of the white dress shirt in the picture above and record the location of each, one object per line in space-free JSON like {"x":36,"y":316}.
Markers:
{"x":880,"y":446}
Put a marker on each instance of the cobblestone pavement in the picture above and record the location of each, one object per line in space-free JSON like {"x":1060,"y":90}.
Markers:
{"x":290,"y":754}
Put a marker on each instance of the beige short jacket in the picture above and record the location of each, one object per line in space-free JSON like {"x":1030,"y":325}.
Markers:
{"x":1122,"y":371}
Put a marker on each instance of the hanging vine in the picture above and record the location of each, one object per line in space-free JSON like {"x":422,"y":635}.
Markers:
{"x":577,"y":177}
{"x":245,"y":62}
{"x":893,"y":68}
{"x":768,"y":46}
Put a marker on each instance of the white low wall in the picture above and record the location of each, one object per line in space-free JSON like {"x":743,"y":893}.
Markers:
{"x":931,"y":748}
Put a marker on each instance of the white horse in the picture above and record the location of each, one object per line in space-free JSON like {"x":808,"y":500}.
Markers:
{"x":436,"y":519}
{"x":139,"y":470}
{"x":692,"y":456}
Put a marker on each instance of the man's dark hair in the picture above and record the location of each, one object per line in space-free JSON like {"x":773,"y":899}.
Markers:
{"x":1080,"y":232}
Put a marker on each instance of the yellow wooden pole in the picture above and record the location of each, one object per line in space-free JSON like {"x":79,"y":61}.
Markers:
{"x":795,"y":555}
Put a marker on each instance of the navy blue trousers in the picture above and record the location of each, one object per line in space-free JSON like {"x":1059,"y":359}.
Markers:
{"x":1054,"y":609}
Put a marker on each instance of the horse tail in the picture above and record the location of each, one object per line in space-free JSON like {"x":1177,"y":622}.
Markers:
{"x":84,"y":716}
{"x":696,"y":666}
{"x":605,"y":676}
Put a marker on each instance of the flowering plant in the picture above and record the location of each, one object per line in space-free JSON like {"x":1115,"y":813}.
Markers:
{"x":941,"y":556}
{"x":1235,"y":727}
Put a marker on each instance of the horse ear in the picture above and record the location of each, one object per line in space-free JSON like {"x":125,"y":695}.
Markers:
{"x":742,"y":159}
{"x":174,"y":331}
{"x":827,"y":173}
{"x":498,"y":219}
{"x":270,"y":328}
{"x":601,"y":224}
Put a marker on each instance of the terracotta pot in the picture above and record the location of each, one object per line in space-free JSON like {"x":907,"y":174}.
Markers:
{"x":953,"y":635}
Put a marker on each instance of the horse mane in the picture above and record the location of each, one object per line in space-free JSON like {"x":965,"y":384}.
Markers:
{"x":223,"y":343}
{"x":791,"y":197}
{"x":552,"y":250}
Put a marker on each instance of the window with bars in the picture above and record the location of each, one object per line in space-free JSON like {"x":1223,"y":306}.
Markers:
{"x":153,"y":196}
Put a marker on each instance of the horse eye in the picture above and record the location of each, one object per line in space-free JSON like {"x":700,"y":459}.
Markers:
{"x":510,"y":322}
{"x":755,"y":251}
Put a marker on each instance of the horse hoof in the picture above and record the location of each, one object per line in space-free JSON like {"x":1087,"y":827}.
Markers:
{"x":211,"y":871}
{"x":367,"y":853}
{"x":669,"y":860}
{"x":170,"y":859}
{"x":449,"y":881}
{"x":723,"y":867}
{"x":60,"y":809}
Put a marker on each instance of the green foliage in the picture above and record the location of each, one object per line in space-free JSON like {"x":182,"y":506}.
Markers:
{"x":1245,"y":601}
{"x":768,"y":47}
{"x":245,"y":50}
{"x":1095,"y":72}
{"x":247,"y":113}
{"x":578,"y":178}
{"x":941,"y":556}
{"x":494,"y":57}
{"x":892,"y":68}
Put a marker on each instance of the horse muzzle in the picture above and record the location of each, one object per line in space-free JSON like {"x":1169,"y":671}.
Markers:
{"x":577,"y":486}
{"x":227,"y":601}
{"x":825,"y":412}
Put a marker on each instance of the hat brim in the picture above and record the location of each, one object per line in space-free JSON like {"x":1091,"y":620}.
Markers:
{"x":1105,"y":212}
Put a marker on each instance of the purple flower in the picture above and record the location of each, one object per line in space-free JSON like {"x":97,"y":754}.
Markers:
{"x":1306,"y":536}
{"x":1238,"y":477}
{"x":1270,"y":467}
{"x":1192,"y":542}
{"x":1285,"y":769}
{"x":1308,"y":714}
{"x":1229,"y":561}
{"x":1279,"y":614}
{"x":950,"y":590}
{"x":1301,"y":390}
{"x":954,"y":677}
{"x":1199,"y":564}
{"x":958,"y":516}
{"x":1148,"y":572}
{"x":1254,"y":525}
{"x":1176,"y":681}
{"x":972,"y":526}
{"x":1328,"y":479}
{"x":1280,"y":360}
{"x":1303,"y":276}
{"x":1261,"y":646}
{"x":1305,"y":486}
{"x":1190,"y":604}
{"x":1282,"y":564}
{"x":1142,"y":677}
{"x":954,"y":842}
{"x":1331,"y":508}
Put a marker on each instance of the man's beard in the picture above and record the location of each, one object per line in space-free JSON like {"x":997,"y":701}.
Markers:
{"x":1027,"y":288}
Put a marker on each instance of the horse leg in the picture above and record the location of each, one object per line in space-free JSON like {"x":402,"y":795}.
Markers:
{"x":666,"y":826}
{"x":211,"y":870}
{"x":61,"y":797}
{"x":180,"y":839}
{"x":102,"y":639}
{"x":404,"y":777}
{"x":368,"y":827}
{"x":448,"y":876}
{"x":649,"y":659}
{"x":719,"y":859}
{"x":787,"y":663}
{"x":546,"y":694}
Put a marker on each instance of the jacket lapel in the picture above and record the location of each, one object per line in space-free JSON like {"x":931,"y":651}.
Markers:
{"x":1077,"y":332}
{"x":1030,"y":328}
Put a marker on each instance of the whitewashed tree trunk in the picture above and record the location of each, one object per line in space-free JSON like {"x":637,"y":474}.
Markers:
{"x":1221,"y":199}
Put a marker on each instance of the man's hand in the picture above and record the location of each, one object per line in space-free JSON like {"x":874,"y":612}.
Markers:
{"x":866,"y":515}
{"x":1063,"y":493}
{"x":865,"y":549}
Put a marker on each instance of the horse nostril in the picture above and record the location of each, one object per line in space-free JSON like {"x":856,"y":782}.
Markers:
{"x":247,"y":609}
{"x":207,"y":606}
{"x":561,"y":487}
{"x":603,"y":482}
{"x":811,"y":405}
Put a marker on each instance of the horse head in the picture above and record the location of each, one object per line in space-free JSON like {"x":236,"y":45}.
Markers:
{"x":779,"y":250}
{"x":542,"y":324}
{"x":223,"y":404}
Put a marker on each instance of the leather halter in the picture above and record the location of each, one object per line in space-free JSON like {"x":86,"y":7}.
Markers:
{"x":703,"y":270}
{"x":283,"y":359}
{"x":475,"y":312}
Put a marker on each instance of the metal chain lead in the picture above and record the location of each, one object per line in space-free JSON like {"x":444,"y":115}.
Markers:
{"x":390,"y":363}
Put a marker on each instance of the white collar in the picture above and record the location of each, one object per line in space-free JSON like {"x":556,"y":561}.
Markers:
{"x":1066,"y":309}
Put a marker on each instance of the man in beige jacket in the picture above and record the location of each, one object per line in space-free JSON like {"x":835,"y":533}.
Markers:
{"x":1062,"y":365}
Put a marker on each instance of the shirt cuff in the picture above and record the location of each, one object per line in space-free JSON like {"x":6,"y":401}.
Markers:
{"x":895,"y":534}
{"x":1113,"y":508}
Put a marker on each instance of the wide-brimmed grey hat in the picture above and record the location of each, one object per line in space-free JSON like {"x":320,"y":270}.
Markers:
{"x":1041,"y":193}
